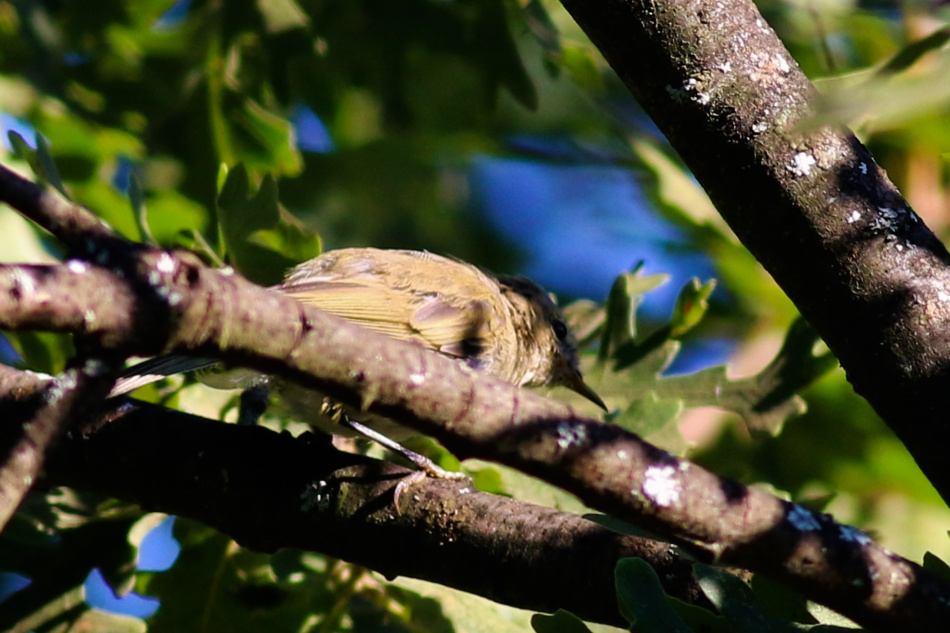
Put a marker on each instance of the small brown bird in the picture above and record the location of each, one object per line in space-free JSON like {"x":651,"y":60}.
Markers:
{"x":505,"y":326}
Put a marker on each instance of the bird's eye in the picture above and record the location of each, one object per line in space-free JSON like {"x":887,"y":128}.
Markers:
{"x":560,"y":329}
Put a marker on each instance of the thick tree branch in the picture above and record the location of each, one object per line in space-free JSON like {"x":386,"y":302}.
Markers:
{"x":34,"y":418}
{"x":73,"y":225}
{"x":476,"y":416}
{"x":269,"y":490}
{"x":811,"y":205}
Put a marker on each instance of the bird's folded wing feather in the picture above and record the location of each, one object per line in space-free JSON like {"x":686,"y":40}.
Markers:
{"x":425,"y":318}
{"x":155,"y":369}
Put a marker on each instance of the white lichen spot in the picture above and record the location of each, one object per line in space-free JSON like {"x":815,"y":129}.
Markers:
{"x":899,"y":247}
{"x":943,"y":296}
{"x":726,"y":67}
{"x":622,"y":454}
{"x":154,"y":278}
{"x":854,"y":217}
{"x":77,"y":266}
{"x":801,"y":164}
{"x":690,"y":87}
{"x":165,"y":263}
{"x":60,"y":386}
{"x":854,"y":535}
{"x":316,"y":496}
{"x":95,"y":367}
{"x":760,"y":126}
{"x":227,"y":271}
{"x":660,"y":485}
{"x":569,"y":435}
{"x":803,"y":519}
{"x":417,"y":379}
{"x":24,"y":281}
{"x":863,"y":167}
{"x":174,"y":298}
{"x":782,"y":64}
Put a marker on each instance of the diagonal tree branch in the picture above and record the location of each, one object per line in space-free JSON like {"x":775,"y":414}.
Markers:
{"x":37,"y":418}
{"x":811,"y":204}
{"x":474,"y":415}
{"x":301,"y":492}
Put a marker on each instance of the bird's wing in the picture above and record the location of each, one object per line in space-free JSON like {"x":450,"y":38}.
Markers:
{"x":428,"y":319}
{"x":155,"y":369}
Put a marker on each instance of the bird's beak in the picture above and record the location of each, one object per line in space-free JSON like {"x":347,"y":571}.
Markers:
{"x":577,"y":384}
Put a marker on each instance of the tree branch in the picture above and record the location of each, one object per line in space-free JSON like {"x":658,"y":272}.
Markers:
{"x":36,"y":417}
{"x":301,"y":492}
{"x":474,"y":415}
{"x":811,"y":204}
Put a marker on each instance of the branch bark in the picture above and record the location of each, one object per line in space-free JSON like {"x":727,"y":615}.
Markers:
{"x":301,"y":492}
{"x":811,"y":204}
{"x":474,"y":415}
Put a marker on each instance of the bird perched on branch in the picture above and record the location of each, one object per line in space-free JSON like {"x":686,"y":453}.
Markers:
{"x":505,"y":326}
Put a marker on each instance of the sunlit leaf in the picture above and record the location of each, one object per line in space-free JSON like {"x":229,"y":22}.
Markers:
{"x":261,"y":239}
{"x":691,"y":306}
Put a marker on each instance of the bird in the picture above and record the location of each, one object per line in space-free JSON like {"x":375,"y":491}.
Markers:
{"x":505,"y":326}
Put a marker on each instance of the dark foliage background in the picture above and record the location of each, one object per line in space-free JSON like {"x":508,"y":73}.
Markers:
{"x":258,"y":133}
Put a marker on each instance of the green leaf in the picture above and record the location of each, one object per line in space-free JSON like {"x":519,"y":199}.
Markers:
{"x":780,"y":601}
{"x":560,"y":621}
{"x":913,"y":52}
{"x":936,"y":565}
{"x":430,"y":608}
{"x":539,"y":22}
{"x":649,"y":414}
{"x":96,"y":621}
{"x":137,"y":202}
{"x":170,"y":215}
{"x":500,"y":54}
{"x":691,"y":306}
{"x":740,"y":606}
{"x":580,"y":65}
{"x":38,"y":159}
{"x":625,"y":296}
{"x":45,"y":352}
{"x":642,"y":599}
{"x":621,"y":527}
{"x":48,"y":165}
{"x":233,"y":589}
{"x":586,"y":319}
{"x":289,"y":237}
{"x":282,"y":15}
{"x":735,"y":600}
{"x":676,"y":193}
{"x":265,"y":140}
{"x":631,"y":373}
{"x":768,"y":398}
{"x":261,"y":239}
